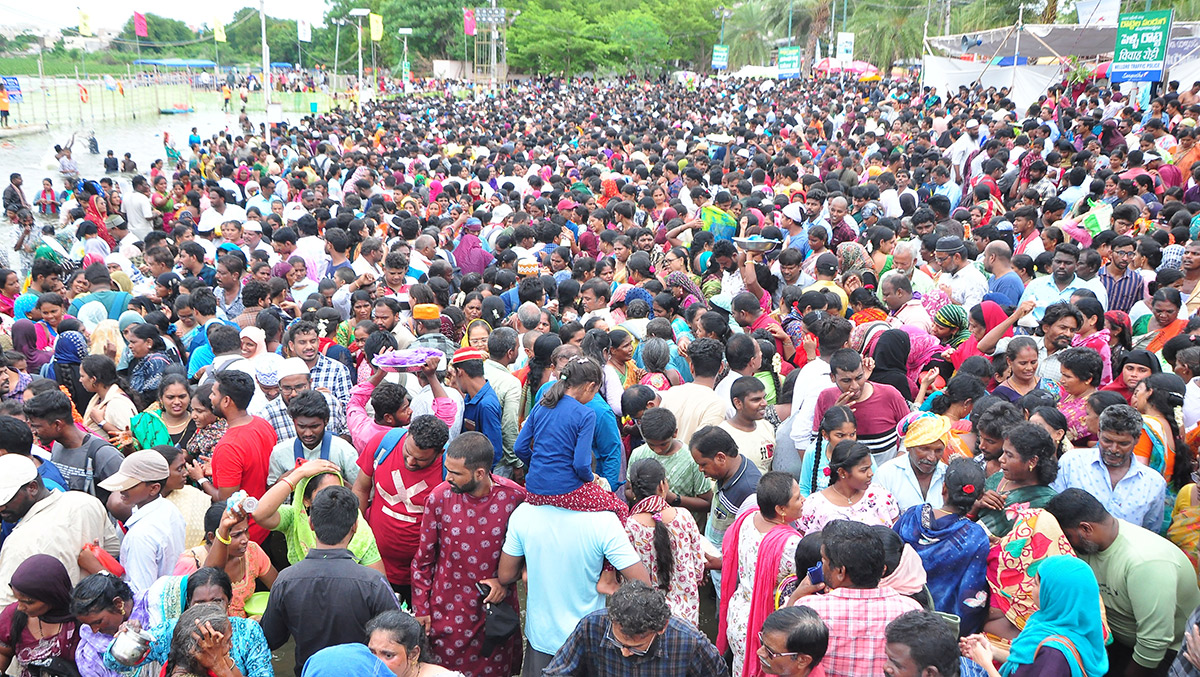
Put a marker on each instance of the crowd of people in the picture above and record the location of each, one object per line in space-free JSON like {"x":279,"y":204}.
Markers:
{"x":889,"y":380}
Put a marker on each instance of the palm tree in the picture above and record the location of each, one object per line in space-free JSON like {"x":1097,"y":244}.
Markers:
{"x":817,"y":28}
{"x":750,"y":28}
{"x":884,"y":35}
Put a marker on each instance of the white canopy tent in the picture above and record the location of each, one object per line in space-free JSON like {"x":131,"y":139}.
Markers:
{"x":1040,"y":40}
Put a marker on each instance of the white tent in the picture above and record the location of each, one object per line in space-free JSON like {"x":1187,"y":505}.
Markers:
{"x":1059,"y":39}
{"x":1025,"y":83}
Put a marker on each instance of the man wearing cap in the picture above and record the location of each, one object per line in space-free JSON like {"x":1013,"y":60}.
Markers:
{"x":826,"y":271}
{"x":960,"y":279}
{"x":293,"y":377}
{"x":427,"y":321}
{"x":56,"y":523}
{"x":482,"y":412}
{"x":794,"y":228}
{"x":154,"y":531}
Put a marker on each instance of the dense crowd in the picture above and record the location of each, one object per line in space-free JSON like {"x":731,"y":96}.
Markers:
{"x":892,"y":380}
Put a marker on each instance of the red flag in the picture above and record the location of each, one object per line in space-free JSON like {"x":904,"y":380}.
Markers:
{"x":468,"y":21}
{"x":139,"y":25}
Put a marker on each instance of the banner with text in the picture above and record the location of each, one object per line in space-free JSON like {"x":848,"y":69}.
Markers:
{"x":789,"y":62}
{"x":303,"y":31}
{"x":720,"y":60}
{"x":845,"y":47}
{"x":1141,"y":50}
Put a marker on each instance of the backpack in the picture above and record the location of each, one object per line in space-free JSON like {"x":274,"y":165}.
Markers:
{"x":388,"y":444}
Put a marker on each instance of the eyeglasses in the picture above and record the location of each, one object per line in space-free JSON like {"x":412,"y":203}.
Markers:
{"x":293,"y":389}
{"x":773,"y":654}
{"x":1122,"y":254}
{"x":635,"y":650}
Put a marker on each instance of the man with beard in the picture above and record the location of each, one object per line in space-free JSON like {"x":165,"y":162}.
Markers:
{"x":309,"y":413}
{"x":454,"y":571}
{"x":1125,"y":287}
{"x":1147,"y":584}
{"x":1128,"y":489}
{"x":1061,"y":283}
{"x":303,"y":341}
{"x":241,"y":459}
{"x":1060,"y":323}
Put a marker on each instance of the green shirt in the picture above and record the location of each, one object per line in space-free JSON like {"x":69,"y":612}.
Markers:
{"x":293,"y":523}
{"x":1149,"y":589}
{"x":683,"y":475}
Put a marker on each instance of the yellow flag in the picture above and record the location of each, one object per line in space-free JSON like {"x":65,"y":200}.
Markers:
{"x":218,"y":31}
{"x":85,"y":24}
{"x":376,"y":26}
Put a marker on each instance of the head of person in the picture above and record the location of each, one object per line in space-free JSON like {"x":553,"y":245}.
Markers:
{"x":1030,"y":455}
{"x":715,"y":452}
{"x":1083,"y":519}
{"x":186,"y":648}
{"x":397,"y":639}
{"x":1138,"y":365}
{"x":1119,"y":429}
{"x":638,"y":615}
{"x":426,"y":439}
{"x":925,"y":439}
{"x":779,"y":497}
{"x":310,"y":414}
{"x":749,"y":397}
{"x":851,"y":556}
{"x":920,"y":644}
{"x":792,"y":642}
{"x":1060,"y":324}
{"x":846,"y":368}
{"x":468,"y":462}
{"x":333,"y":516}
{"x":231,"y":393}
{"x":850,"y":466}
{"x":102,"y":602}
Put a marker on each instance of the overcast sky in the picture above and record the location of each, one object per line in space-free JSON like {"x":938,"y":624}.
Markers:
{"x":114,"y":13}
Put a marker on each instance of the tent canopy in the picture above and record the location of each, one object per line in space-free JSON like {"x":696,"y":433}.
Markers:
{"x":1066,"y":39}
{"x":280,"y":64}
{"x":177,"y":63}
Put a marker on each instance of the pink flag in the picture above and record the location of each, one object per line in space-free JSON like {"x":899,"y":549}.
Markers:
{"x":139,"y":25}
{"x":468,"y":21}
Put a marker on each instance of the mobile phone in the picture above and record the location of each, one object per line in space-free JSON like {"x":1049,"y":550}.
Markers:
{"x":483,"y":589}
{"x":816,"y":574}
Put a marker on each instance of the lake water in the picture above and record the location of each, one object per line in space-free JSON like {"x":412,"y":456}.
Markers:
{"x":32,"y":155}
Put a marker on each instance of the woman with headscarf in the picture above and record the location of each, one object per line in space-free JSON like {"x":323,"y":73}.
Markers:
{"x":97,"y":212}
{"x":470,"y":254}
{"x":684,"y":288}
{"x":50,"y":634}
{"x":864,"y":336}
{"x":1064,"y":636}
{"x":25,"y":341}
{"x":853,"y":258}
{"x":950,"y":325}
{"x":1136,"y":365}
{"x":992,"y":315}
{"x":69,"y":351}
{"x":891,"y":361}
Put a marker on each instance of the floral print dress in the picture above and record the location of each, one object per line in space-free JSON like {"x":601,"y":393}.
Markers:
{"x":683,"y":594}
{"x":875,"y":507}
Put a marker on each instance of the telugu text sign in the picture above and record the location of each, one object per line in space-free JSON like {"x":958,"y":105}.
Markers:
{"x":1141,"y":50}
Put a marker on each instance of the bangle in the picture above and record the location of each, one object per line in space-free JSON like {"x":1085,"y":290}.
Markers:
{"x":227,"y":540}
{"x":289,"y":483}
{"x":202,"y":480}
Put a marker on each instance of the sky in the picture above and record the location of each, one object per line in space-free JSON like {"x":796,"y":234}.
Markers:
{"x":114,"y":13}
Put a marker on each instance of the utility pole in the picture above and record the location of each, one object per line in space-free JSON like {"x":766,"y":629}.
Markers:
{"x":495,"y":37}
{"x":360,"y":12}
{"x":266,"y":56}
{"x":337,"y":43}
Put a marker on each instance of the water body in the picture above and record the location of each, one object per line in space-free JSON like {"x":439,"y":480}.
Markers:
{"x":32,"y":155}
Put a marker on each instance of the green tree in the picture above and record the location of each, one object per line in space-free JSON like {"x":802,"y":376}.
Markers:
{"x":748,"y":34}
{"x":885,"y":35}
{"x":636,"y":39}
{"x":162,"y":35}
{"x":551,"y":37}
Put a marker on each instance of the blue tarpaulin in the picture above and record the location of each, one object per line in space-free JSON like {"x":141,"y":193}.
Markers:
{"x":1008,"y":61}
{"x":281,"y":64}
{"x":177,"y":63}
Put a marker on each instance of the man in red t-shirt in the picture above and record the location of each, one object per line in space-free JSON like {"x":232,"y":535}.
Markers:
{"x":242,"y":457}
{"x":392,"y":489}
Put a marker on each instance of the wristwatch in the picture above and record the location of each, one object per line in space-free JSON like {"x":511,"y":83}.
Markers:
{"x":678,"y":501}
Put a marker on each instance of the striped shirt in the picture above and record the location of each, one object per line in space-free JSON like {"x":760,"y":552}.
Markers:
{"x":1124,"y":291}
{"x":877,"y":417}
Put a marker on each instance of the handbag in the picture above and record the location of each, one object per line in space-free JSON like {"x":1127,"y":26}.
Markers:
{"x":501,"y":622}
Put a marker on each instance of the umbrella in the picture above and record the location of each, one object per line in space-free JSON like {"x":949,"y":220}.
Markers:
{"x":873,"y":77}
{"x":1101,"y":69}
{"x":857,"y":67}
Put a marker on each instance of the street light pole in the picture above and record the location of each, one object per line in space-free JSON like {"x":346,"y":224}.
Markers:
{"x":359,"y":12}
{"x":337,"y":42}
{"x":266,"y":57}
{"x":791,"y":8}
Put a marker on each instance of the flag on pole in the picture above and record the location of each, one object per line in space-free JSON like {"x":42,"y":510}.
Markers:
{"x":303,"y":31}
{"x":376,"y":26}
{"x":468,"y":21}
{"x":218,"y":31}
{"x":85,"y":24}
{"x":139,"y":25}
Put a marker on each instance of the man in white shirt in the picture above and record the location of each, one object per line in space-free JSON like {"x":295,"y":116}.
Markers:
{"x":962,"y":148}
{"x":219,"y":211}
{"x":155,"y":530}
{"x":960,"y":279}
{"x":138,"y":208}
{"x":370,"y":258}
